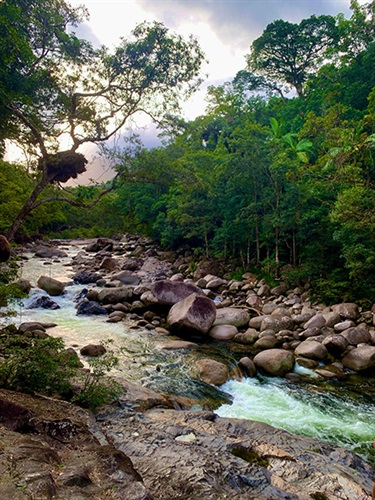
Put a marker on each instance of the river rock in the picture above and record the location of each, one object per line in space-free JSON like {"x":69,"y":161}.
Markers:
{"x":51,"y":286}
{"x":100,"y":244}
{"x":277,"y":323}
{"x":212,"y":372}
{"x":355,"y":336}
{"x":247,"y":337}
{"x":194,"y":314}
{"x":266,"y":342}
{"x":126,"y":278}
{"x":311,"y":349}
{"x":93,"y":350}
{"x":114,"y":295}
{"x":332,"y":318}
{"x":232,"y":316}
{"x":109,"y":263}
{"x":335,"y":344}
{"x":317,"y":321}
{"x":49,"y":252}
{"x":88,"y":307}
{"x":347,"y":310}
{"x":360,"y":358}
{"x":344,"y":325}
{"x":275,"y":362}
{"x":169,"y":293}
{"x":85,"y":277}
{"x":247,"y":365}
{"x":223,"y":332}
{"x":4,"y":249}
{"x":23,"y":285}
{"x":44,"y":302}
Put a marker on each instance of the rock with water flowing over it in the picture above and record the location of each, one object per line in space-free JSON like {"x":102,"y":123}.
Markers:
{"x":90,"y":307}
{"x":275,"y":362}
{"x":360,"y":358}
{"x":44,"y":302}
{"x":211,"y":371}
{"x":168,"y":293}
{"x":194,"y":314}
{"x":51,"y":286}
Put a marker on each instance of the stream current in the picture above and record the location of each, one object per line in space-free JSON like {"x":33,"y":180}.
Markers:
{"x":339,"y":412}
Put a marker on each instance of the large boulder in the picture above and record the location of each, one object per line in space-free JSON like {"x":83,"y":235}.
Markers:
{"x":196,"y":313}
{"x":232,"y":316}
{"x":114,"y":295}
{"x":4,"y":249}
{"x":275,"y":362}
{"x":86,"y":276}
{"x":49,"y":252}
{"x":347,"y":310}
{"x":360,"y":358}
{"x":51,"y":286}
{"x":43,"y":302}
{"x":358,"y":335}
{"x":169,"y":293}
{"x":276,"y":323}
{"x":211,"y":371}
{"x":90,"y":307}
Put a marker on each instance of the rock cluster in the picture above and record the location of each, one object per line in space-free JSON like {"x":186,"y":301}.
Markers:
{"x":277,"y":327}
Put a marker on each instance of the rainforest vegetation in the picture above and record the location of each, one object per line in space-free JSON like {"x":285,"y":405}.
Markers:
{"x":277,"y":176}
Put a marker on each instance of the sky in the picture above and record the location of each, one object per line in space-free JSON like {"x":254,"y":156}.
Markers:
{"x":225,"y":30}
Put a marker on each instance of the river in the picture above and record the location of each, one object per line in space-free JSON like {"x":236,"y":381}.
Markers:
{"x":340,"y":412}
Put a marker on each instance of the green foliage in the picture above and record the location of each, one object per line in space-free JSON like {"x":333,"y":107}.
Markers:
{"x":35,"y":365}
{"x":97,"y":390}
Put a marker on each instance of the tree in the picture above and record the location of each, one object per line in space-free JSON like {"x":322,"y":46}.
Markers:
{"x":56,"y":89}
{"x":290,"y":53}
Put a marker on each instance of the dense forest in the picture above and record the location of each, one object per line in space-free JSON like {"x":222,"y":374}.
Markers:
{"x":277,"y":176}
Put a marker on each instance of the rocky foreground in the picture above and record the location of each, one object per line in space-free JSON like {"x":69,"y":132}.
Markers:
{"x":188,"y":454}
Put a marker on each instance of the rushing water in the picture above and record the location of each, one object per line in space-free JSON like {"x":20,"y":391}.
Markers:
{"x":341,"y":413}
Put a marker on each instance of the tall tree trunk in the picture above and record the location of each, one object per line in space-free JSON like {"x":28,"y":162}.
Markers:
{"x":28,"y":206}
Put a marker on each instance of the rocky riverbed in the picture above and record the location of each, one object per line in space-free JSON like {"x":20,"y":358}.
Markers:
{"x":191,"y":307}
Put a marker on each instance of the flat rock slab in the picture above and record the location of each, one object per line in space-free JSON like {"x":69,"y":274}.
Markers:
{"x":234,"y":459}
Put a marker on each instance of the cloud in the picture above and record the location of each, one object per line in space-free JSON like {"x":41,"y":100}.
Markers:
{"x":239,"y":22}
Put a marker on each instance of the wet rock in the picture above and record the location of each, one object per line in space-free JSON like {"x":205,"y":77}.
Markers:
{"x":51,"y":286}
{"x":196,"y":313}
{"x":212,"y":372}
{"x":275,"y":362}
{"x":93,"y":350}
{"x":247,"y":365}
{"x":89,"y":307}
{"x":44,"y":303}
{"x":85,"y":277}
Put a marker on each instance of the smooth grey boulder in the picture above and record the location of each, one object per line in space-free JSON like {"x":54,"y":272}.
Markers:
{"x":360,"y":358}
{"x":196,"y":313}
{"x":347,"y":310}
{"x":114,"y":295}
{"x":355,"y":336}
{"x":232,"y":316}
{"x":311,"y":349}
{"x":51,"y":286}
{"x":275,"y":362}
